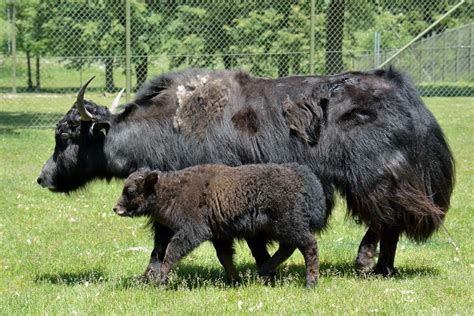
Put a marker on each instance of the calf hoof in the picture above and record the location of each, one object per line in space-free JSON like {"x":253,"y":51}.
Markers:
{"x":384,"y":271}
{"x":268,"y":277}
{"x":151,"y":274}
{"x":233,"y":280}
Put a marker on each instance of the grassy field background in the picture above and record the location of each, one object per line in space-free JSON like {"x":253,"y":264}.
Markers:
{"x":72,"y":255}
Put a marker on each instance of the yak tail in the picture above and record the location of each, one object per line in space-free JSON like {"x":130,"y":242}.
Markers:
{"x":421,"y":217}
{"x":425,"y":191}
{"x":397,"y":204}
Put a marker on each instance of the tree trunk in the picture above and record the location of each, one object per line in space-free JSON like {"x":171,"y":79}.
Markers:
{"x":141,"y":69}
{"x":38,"y":77}
{"x":109,"y":74}
{"x":28,"y":66}
{"x":334,"y":36}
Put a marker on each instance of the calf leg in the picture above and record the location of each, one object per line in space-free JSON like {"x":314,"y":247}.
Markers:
{"x":162,"y":236}
{"x":367,"y":250}
{"x":309,"y":249}
{"x":182,"y":243}
{"x":259,"y":250}
{"x":388,"y":248}
{"x":225,"y":253}
{"x":268,"y":267}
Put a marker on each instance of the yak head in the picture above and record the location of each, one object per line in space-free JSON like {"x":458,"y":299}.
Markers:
{"x":78,"y":155}
{"x":138,"y":194}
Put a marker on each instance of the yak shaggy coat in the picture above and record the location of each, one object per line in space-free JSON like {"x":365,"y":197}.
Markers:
{"x":284,"y":203}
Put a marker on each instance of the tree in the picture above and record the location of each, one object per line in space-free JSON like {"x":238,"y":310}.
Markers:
{"x":31,"y":38}
{"x":274,"y":41}
{"x":34,"y":40}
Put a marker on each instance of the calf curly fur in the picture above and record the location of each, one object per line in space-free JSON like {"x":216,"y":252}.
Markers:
{"x":284,"y":203}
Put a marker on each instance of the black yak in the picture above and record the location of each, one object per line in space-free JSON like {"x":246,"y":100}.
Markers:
{"x":366,"y":134}
{"x":284,"y":203}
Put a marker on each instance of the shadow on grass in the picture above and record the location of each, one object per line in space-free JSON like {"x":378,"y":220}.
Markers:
{"x":13,"y":120}
{"x":348,"y":271}
{"x":72,"y":278}
{"x":189,"y":276}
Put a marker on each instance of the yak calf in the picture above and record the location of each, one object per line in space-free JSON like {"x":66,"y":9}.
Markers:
{"x":283,"y":203}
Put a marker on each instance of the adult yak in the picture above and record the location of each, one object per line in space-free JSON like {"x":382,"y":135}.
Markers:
{"x":366,"y":134}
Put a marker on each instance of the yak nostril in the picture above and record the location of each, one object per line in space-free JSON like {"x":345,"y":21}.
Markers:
{"x":115,"y":209}
{"x":39,"y":180}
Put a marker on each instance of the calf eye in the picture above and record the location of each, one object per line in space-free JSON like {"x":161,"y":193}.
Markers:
{"x":130,"y":191}
{"x":64,"y":136}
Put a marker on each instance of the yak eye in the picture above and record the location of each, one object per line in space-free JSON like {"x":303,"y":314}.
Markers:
{"x":64,"y":136}
{"x":130,"y":191}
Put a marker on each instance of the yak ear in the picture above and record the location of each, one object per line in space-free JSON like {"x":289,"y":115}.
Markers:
{"x":99,"y":130}
{"x":150,"y":180}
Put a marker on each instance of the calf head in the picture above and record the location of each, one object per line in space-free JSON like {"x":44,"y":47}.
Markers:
{"x":138,"y":194}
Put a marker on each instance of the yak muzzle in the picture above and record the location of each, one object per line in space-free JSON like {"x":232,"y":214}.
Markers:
{"x":45,"y":178}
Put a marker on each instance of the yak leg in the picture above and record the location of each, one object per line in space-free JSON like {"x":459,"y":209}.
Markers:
{"x":268,"y":267}
{"x":258,"y":247}
{"x":182,"y":243}
{"x":225,"y":253}
{"x":309,"y":249}
{"x":388,"y":248}
{"x":367,"y":249}
{"x":162,"y":237}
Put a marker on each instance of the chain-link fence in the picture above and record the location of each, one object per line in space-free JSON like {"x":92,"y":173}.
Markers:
{"x":49,"y":48}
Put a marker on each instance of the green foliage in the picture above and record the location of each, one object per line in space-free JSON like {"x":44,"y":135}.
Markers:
{"x":181,"y":40}
{"x":390,"y":40}
{"x":269,"y":38}
{"x":281,"y":34}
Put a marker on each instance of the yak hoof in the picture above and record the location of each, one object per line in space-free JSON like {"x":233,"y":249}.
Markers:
{"x":311,"y":284}
{"x":164,"y":281}
{"x":365,"y":262}
{"x":384,"y":271}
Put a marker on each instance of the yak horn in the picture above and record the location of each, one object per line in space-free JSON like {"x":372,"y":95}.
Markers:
{"x":116,"y":102}
{"x":85,"y":115}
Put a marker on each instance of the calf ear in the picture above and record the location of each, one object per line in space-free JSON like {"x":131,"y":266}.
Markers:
{"x":99,"y":130}
{"x":150,"y":180}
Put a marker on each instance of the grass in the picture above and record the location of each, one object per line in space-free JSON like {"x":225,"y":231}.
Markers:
{"x":70,"y":254}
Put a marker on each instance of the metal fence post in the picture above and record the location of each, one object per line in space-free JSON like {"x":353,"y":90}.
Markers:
{"x":13,"y":39}
{"x":471,"y":43}
{"x":311,"y":53}
{"x":128,"y":73}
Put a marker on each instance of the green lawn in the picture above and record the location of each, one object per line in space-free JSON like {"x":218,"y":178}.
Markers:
{"x":72,"y":255}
